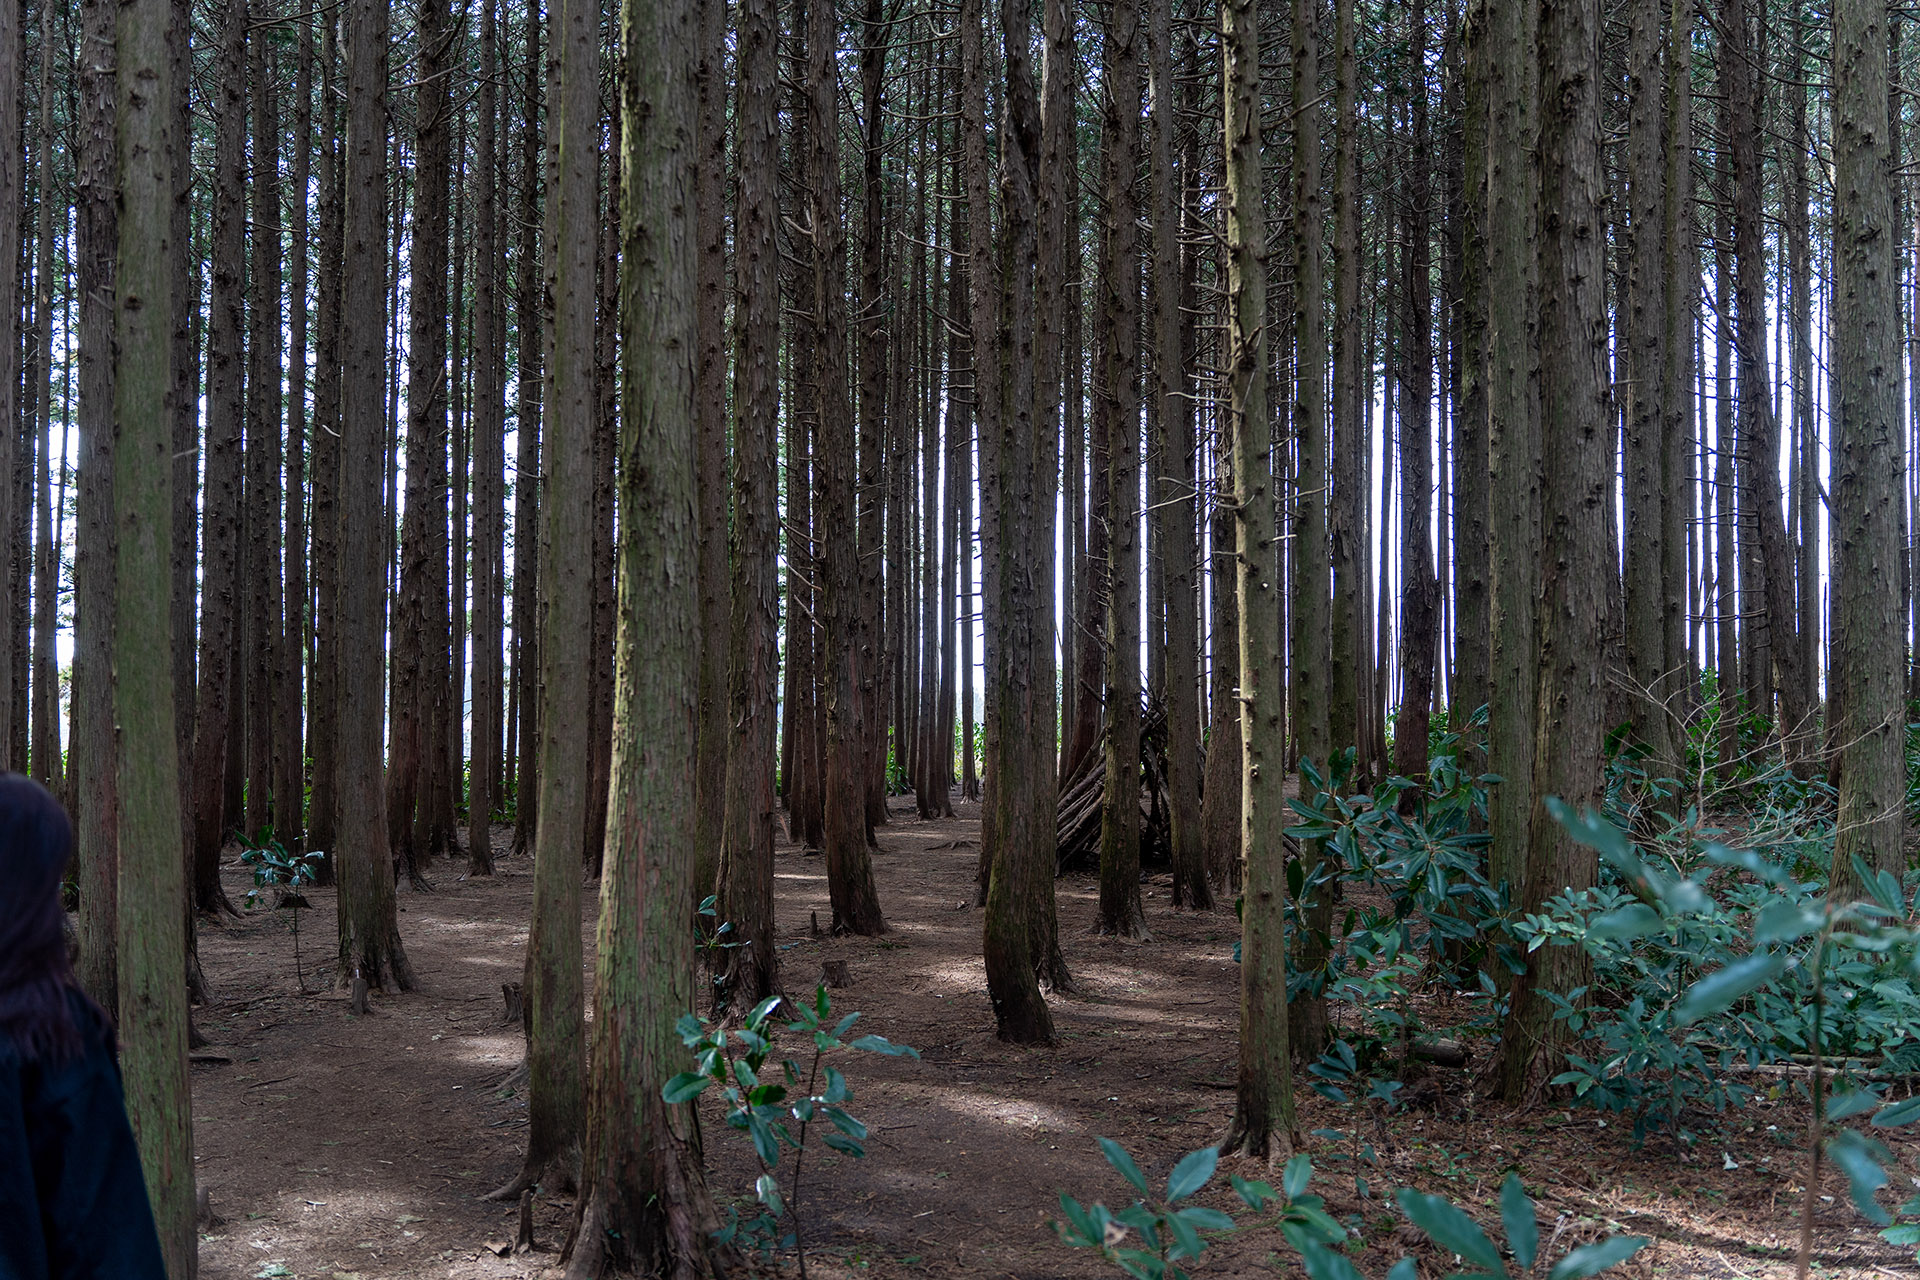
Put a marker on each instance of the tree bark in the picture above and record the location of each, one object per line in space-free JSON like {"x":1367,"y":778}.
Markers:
{"x":370,"y":946}
{"x":750,"y":972}
{"x":261,"y":537}
{"x":856,"y":903}
{"x":1120,"y":911}
{"x":531,"y":314}
{"x":645,"y":1204}
{"x":489,"y":460}
{"x":1513,"y":430}
{"x":96,"y":783}
{"x":1175,"y":486}
{"x":1577,"y":477}
{"x":1347,"y":627}
{"x":220,"y":537}
{"x":1263,"y":1116}
{"x":1644,"y":325}
{"x":1419,"y":589}
{"x":710,"y":426}
{"x":152,"y":927}
{"x":1867,"y":468}
{"x":555,"y":999}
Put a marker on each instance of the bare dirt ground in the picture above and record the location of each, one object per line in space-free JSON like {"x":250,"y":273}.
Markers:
{"x":343,"y":1148}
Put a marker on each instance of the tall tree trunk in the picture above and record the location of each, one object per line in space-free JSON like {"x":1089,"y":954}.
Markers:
{"x":983,"y":286}
{"x":220,"y":538}
{"x":1867,"y":463}
{"x":1419,"y":589}
{"x":370,"y":946}
{"x":420,"y":624}
{"x":260,"y":545}
{"x":1309,"y":547}
{"x":1020,"y":942}
{"x":324,"y":699}
{"x":1734,"y":640}
{"x":1513,"y":429}
{"x":1347,"y":626}
{"x":645,"y":1202}
{"x":531,"y":314}
{"x":96,"y":784}
{"x":1678,"y":235}
{"x":746,"y":851}
{"x":1577,"y":476}
{"x":710,"y":427}
{"x":1175,"y":487}
{"x":1263,"y":1114}
{"x":290,"y":775}
{"x":152,"y":927}
{"x":555,"y":998}
{"x":1644,"y":325}
{"x":489,"y":460}
{"x":873,"y":324}
{"x":1773,"y":610}
{"x":1806,"y":483}
{"x":1120,"y":910}
{"x":856,"y":903}
{"x":46,"y":679}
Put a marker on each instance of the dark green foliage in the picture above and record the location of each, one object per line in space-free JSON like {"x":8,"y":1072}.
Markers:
{"x":286,"y":874}
{"x":1169,"y":1233}
{"x":776,"y":1106}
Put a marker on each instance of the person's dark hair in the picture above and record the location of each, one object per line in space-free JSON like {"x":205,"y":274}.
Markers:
{"x":37,"y":990}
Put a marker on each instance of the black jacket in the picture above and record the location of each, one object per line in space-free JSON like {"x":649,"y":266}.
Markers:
{"x":73,"y":1202}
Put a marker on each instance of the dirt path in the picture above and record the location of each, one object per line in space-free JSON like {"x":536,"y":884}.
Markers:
{"x":337,"y":1148}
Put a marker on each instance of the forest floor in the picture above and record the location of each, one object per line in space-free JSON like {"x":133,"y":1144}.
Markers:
{"x":342,"y":1148}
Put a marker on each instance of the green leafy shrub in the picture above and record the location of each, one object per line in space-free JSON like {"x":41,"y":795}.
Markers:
{"x":284,"y":875}
{"x":1157,"y":1236}
{"x":778,"y":1112}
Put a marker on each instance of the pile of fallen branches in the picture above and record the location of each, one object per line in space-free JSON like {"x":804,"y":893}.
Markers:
{"x":1084,"y":791}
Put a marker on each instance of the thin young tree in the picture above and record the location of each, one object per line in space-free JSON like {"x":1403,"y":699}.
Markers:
{"x":152,"y":927}
{"x":1263,"y":1114}
{"x":645,"y":1204}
